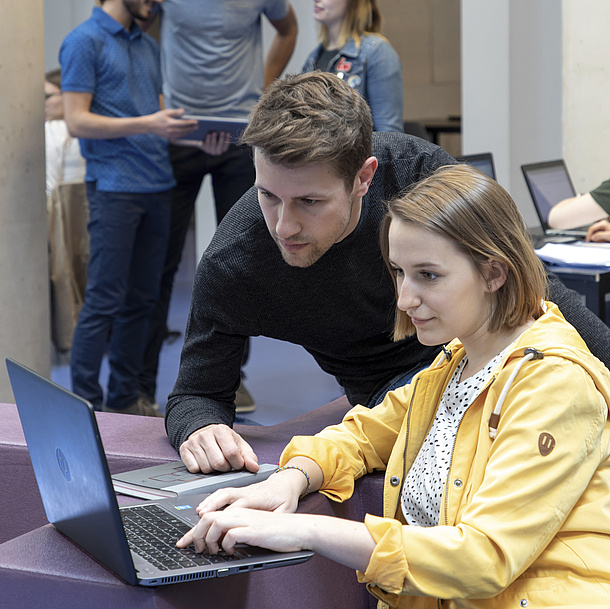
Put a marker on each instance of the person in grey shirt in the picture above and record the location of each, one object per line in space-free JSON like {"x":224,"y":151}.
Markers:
{"x":212,"y":65}
{"x":298,"y":259}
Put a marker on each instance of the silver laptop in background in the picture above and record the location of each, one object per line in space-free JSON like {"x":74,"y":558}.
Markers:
{"x":136,"y":542}
{"x":549,"y":183}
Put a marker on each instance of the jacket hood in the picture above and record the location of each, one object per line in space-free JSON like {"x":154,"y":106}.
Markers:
{"x":550,"y":336}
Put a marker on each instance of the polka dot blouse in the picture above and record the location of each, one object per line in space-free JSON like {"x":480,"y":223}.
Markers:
{"x":424,"y":484}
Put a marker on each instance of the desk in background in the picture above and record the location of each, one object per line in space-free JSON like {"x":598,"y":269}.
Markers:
{"x":437,"y":126}
{"x":592,"y":283}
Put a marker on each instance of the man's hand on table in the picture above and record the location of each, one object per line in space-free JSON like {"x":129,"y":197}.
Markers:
{"x":217,"y":448}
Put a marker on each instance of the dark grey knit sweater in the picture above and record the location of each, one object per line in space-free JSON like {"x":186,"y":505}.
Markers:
{"x":341,"y":309}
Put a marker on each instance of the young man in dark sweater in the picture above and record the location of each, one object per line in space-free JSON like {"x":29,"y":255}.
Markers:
{"x":298,"y":259}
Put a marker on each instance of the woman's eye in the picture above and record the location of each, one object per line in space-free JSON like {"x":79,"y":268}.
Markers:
{"x":429,"y":276}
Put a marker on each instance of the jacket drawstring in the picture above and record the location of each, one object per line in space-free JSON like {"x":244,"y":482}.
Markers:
{"x":447,"y":354}
{"x":494,"y":419}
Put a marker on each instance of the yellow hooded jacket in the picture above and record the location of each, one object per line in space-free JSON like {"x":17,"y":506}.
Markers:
{"x":525,"y":513}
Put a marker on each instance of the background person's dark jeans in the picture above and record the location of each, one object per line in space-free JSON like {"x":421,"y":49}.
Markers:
{"x":128,"y":235}
{"x":232,"y":175}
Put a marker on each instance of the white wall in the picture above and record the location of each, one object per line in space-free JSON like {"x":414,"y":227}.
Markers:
{"x":586,"y":91}
{"x":512,"y":86}
{"x":60,"y":17}
{"x":535,"y":87}
{"x":485,"y":81}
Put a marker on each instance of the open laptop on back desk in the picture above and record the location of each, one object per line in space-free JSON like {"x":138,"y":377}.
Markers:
{"x":483,"y":161}
{"x":135,"y":542}
{"x":549,"y":183}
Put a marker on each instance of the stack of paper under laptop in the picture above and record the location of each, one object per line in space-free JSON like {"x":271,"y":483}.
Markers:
{"x":594,"y":255}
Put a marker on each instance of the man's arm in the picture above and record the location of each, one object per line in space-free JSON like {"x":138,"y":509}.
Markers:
{"x":282,"y":46}
{"x":593,"y":331}
{"x":200,"y":410}
{"x":82,"y":123}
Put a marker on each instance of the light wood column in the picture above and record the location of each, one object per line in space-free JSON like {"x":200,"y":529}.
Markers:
{"x":24,"y":280}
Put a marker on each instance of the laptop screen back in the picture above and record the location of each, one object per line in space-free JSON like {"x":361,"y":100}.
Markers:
{"x":484,"y":162}
{"x":548,"y":183}
{"x":70,"y":466}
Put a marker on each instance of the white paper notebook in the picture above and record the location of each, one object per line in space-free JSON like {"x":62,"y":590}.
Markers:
{"x":596,"y":255}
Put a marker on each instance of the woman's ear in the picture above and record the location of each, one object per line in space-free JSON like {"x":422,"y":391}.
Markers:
{"x":497,"y":272}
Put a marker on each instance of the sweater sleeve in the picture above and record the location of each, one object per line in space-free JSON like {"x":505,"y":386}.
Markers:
{"x":210,"y":364}
{"x":593,"y":331}
{"x":601,"y":195}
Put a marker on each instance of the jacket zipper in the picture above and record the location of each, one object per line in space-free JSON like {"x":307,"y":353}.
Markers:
{"x":447,"y":485}
{"x":440,"y":602}
{"x":404,"y":454}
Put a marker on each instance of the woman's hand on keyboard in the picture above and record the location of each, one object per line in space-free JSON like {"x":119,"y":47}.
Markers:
{"x":343,"y":541}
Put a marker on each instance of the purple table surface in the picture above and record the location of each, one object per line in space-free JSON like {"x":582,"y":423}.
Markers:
{"x":44,"y":569}
{"x":39,"y":567}
{"x":130,"y":442}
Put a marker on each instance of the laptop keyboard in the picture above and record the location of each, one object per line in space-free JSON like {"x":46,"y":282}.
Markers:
{"x":152,"y":533}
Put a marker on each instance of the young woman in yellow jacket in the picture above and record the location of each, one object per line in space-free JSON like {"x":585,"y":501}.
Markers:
{"x":497,"y":487}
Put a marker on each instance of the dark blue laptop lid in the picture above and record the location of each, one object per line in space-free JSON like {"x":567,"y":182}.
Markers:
{"x":71,"y":469}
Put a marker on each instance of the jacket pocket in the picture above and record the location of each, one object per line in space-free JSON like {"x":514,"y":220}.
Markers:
{"x":524,"y":592}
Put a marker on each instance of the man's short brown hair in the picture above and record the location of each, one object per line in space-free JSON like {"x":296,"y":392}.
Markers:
{"x":312,"y":118}
{"x":54,"y":77}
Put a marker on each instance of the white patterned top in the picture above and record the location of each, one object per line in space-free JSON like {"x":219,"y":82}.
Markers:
{"x":423,"y":487}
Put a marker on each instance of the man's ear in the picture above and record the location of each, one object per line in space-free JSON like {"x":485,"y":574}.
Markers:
{"x":497,"y":273}
{"x":364,"y":177}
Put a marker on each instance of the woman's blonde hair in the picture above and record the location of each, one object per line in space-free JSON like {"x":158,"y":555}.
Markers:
{"x":462,"y":204}
{"x":362,"y":17}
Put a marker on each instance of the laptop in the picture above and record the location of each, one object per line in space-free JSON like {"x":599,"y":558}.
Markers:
{"x":548,"y":183}
{"x":483,"y":161}
{"x":136,"y":542}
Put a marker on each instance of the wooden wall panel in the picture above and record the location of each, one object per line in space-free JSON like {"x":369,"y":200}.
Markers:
{"x":426,"y":36}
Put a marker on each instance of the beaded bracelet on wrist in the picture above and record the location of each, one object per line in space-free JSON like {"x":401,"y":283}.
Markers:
{"x":284,"y":467}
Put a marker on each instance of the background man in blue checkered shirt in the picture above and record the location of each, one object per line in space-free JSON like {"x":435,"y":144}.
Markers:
{"x":112,"y":86}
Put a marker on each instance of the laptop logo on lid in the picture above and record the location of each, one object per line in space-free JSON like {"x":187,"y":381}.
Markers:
{"x":63,"y":464}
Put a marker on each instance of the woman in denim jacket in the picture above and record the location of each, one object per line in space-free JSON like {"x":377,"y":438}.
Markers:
{"x":352,"y":48}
